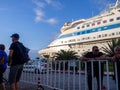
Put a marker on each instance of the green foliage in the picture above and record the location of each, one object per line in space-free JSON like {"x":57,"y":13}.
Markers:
{"x":46,"y":56}
{"x":109,"y":49}
{"x":66,"y":55}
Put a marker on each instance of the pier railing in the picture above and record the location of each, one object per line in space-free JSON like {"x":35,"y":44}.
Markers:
{"x":70,"y":75}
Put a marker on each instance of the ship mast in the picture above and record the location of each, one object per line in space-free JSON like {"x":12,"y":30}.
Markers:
{"x":117,"y":3}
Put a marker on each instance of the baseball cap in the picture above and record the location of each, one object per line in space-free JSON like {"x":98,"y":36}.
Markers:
{"x":15,"y":35}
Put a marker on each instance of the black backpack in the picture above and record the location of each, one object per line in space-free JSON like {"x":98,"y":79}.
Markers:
{"x":23,"y":53}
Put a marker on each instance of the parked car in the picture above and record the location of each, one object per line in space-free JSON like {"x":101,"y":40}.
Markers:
{"x":36,"y":67}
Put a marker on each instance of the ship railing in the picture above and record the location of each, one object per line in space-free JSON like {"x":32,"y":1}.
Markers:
{"x":71,"y":75}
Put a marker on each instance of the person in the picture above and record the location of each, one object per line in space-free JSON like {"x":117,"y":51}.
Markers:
{"x":3,"y":65}
{"x":117,"y":60}
{"x":94,"y":55}
{"x":16,"y":66}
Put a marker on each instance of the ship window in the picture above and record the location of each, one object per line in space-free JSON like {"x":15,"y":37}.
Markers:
{"x":88,"y":31}
{"x":113,"y":34}
{"x":118,"y":18}
{"x":105,"y":28}
{"x":78,"y":33}
{"x":94,"y":30}
{"x":99,"y":23}
{"x":78,"y":27}
{"x":83,"y":26}
{"x":118,"y":25}
{"x":99,"y":36}
{"x":83,"y":38}
{"x":83,"y":32}
{"x":117,"y":33}
{"x":105,"y":35}
{"x":111,"y":20}
{"x":65,"y":41}
{"x":88,"y":25}
{"x":78,"y":40}
{"x":93,"y":24}
{"x":105,"y":21}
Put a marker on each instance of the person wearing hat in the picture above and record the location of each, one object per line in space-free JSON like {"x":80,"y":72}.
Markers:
{"x":14,"y":62}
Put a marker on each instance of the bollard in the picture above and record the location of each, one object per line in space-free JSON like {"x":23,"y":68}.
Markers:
{"x":38,"y":83}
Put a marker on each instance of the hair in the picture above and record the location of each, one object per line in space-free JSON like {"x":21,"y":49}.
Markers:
{"x":2,"y":47}
{"x":94,"y":47}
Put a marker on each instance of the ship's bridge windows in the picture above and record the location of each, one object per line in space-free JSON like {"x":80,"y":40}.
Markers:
{"x":88,"y":31}
{"x":105,"y":21}
{"x":78,"y":33}
{"x":118,"y":25}
{"x":94,"y":30}
{"x":105,"y":28}
{"x":83,"y":32}
{"x":111,"y":20}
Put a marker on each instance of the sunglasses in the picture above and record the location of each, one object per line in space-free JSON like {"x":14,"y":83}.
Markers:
{"x":96,"y":50}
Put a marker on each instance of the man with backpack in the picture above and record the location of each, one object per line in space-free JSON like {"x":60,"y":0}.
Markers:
{"x":18,"y":55}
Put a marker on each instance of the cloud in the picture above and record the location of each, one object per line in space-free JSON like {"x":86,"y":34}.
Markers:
{"x":40,"y":13}
{"x":54,"y":3}
{"x":52,"y":21}
{"x":100,"y":4}
{"x":38,"y":3}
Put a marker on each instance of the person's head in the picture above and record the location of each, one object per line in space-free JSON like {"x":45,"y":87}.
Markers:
{"x":15,"y":37}
{"x":117,"y":50}
{"x":2,"y":47}
{"x":95,"y":50}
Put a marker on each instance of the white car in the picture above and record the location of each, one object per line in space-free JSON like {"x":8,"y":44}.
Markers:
{"x":37,"y":67}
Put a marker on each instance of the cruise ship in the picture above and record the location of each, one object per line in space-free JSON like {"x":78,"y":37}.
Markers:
{"x":81,"y":35}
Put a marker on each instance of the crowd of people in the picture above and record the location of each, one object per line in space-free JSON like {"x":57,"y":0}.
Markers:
{"x":16,"y":67}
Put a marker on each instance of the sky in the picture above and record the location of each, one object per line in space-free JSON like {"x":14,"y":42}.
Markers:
{"x":38,"y":22}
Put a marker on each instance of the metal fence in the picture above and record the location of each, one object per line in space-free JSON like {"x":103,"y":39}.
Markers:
{"x":70,"y":75}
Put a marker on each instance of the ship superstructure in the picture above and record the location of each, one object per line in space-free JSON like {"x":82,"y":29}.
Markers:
{"x":81,"y":35}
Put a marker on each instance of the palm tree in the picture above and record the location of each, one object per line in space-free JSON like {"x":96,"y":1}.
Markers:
{"x":66,"y":55}
{"x":109,"y":48}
